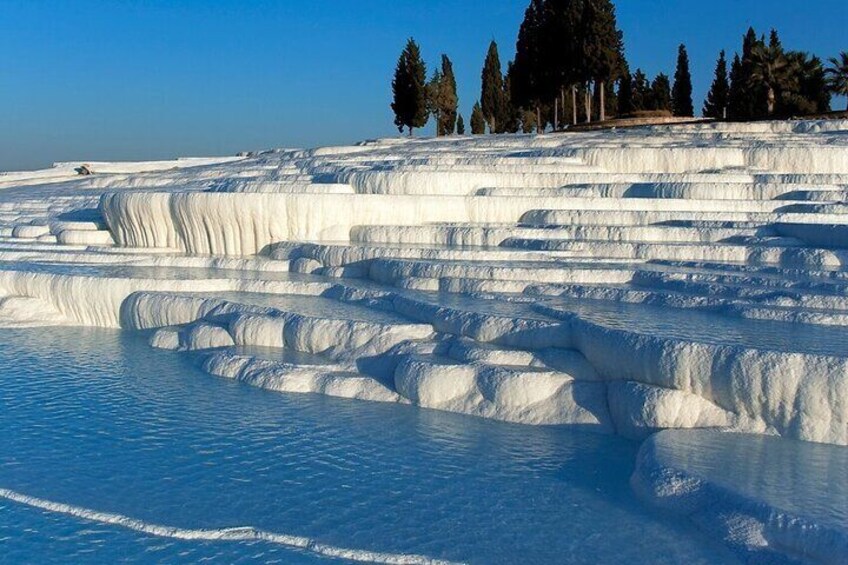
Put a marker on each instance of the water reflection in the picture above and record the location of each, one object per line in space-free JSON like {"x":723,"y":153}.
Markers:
{"x":97,"y":419}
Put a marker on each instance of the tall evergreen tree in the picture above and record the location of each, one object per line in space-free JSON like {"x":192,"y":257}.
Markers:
{"x":661,"y":93}
{"x":716,"y":103}
{"x":601,"y":46}
{"x":562,"y":56}
{"x":511,"y":114}
{"x":444,"y":100}
{"x":525,"y":79}
{"x":737,"y":105}
{"x":478,"y":120}
{"x":625,"y":94}
{"x":492,"y":95}
{"x":433,"y":98}
{"x":681,"y":95}
{"x":409,"y":89}
{"x":460,"y":125}
{"x":754,"y":96}
{"x":610,"y":101}
{"x":641,"y":89}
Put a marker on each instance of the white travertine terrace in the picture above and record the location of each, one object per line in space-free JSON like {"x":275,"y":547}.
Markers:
{"x":621,"y":281}
{"x":628,"y":282}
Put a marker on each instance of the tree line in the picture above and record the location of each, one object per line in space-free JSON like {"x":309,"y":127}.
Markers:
{"x":570,"y":67}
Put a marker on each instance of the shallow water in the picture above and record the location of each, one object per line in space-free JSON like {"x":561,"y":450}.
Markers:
{"x":96,"y":419}
{"x":709,"y":327}
{"x":802,"y":478}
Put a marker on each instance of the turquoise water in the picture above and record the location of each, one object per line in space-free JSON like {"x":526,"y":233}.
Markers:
{"x":98,"y":420}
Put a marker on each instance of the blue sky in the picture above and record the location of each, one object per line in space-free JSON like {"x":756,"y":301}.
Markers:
{"x":157,"y":79}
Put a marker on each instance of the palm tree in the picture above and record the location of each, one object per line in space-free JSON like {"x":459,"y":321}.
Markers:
{"x":837,"y":74}
{"x":770,"y":67}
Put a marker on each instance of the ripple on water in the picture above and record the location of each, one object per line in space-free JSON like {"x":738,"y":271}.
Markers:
{"x":96,"y":419}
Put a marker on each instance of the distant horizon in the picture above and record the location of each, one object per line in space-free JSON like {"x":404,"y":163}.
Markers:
{"x":132,"y":81}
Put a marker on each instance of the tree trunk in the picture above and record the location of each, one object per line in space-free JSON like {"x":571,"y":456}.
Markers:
{"x":410,"y":131}
{"x":587,"y":100}
{"x":556,"y":113}
{"x":771,"y":100}
{"x":603,"y":101}
{"x":538,"y":120}
{"x":562,"y":103}
{"x":574,"y":104}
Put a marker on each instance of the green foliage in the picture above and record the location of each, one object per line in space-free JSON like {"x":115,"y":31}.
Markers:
{"x":492,"y":99}
{"x":715,"y":105}
{"x":409,"y":89}
{"x":478,"y":120}
{"x":512,"y":119}
{"x":562,"y":43}
{"x":570,"y":50}
{"x":528,"y":121}
{"x":747,"y":97}
{"x":660,"y":93}
{"x":528,"y":71}
{"x":442,"y":98}
{"x":804,"y":90}
{"x":768,"y":81}
{"x":736,"y":106}
{"x":770,"y":70}
{"x":837,"y":74}
{"x":625,"y":93}
{"x":641,"y":97}
{"x":601,"y":44}
{"x":460,"y":125}
{"x":681,"y":95}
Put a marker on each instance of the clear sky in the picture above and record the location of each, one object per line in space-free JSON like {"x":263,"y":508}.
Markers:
{"x":112,"y":79}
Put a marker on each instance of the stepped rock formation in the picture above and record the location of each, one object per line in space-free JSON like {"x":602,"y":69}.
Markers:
{"x":621,"y":281}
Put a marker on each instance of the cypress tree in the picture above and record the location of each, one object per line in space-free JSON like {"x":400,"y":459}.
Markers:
{"x":601,"y":47}
{"x":716,"y":104}
{"x":525,"y":80}
{"x":460,"y":125}
{"x":433,"y":98}
{"x":610,"y":102}
{"x":774,"y":40}
{"x":737,"y":104}
{"x":478,"y":121}
{"x":492,"y":95}
{"x":409,"y":89}
{"x":561,"y":60}
{"x":511,"y":114}
{"x":447,"y":100}
{"x":641,"y":89}
{"x":625,"y":94}
{"x":681,"y":96}
{"x":661,"y":93}
{"x":753,"y":100}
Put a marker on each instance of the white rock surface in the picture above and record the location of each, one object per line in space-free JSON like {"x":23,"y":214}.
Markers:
{"x":771,"y":500}
{"x":625,"y":281}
